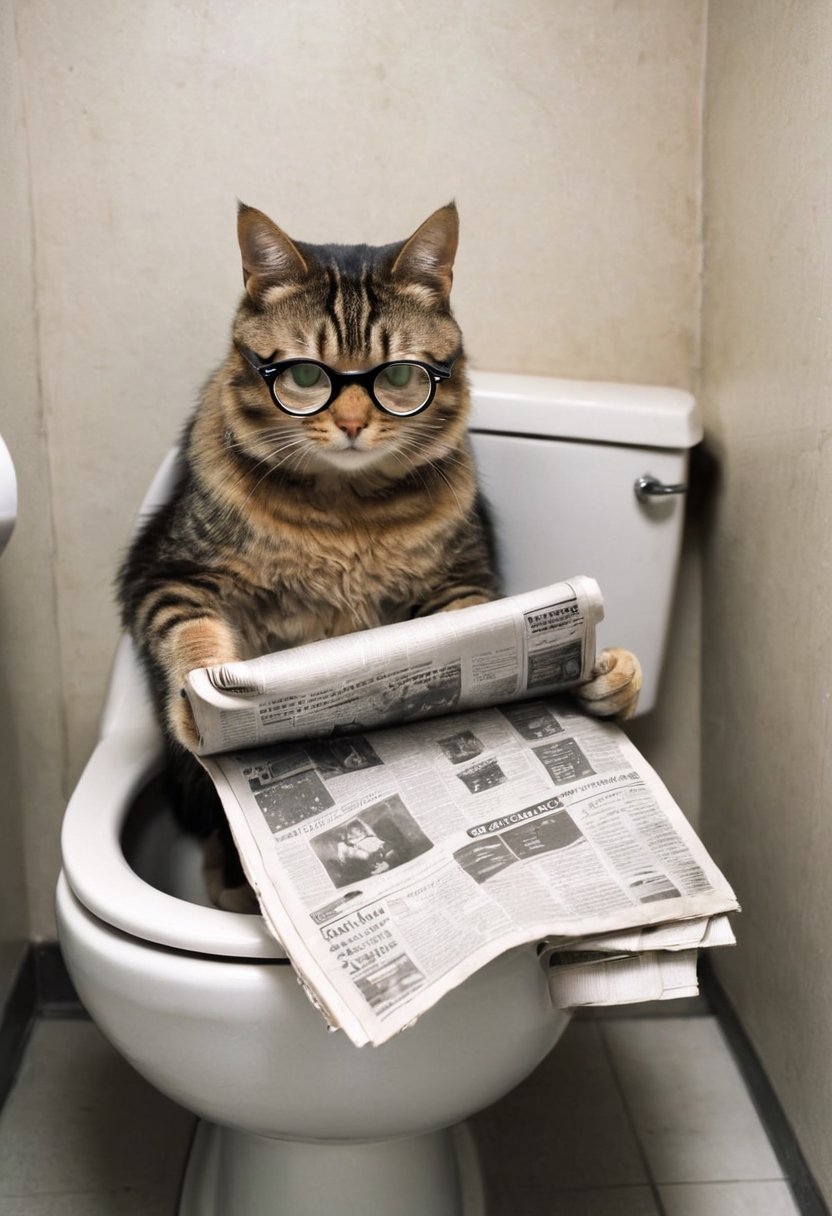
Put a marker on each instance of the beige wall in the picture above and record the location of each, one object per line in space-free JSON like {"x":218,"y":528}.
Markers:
{"x":26,"y":587}
{"x":569,"y":135}
{"x":767,"y":732}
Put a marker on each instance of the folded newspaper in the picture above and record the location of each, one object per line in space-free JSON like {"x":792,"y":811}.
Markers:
{"x":393,"y":861}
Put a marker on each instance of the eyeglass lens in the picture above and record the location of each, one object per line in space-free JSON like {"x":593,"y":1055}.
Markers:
{"x":303,"y":388}
{"x":402,"y":387}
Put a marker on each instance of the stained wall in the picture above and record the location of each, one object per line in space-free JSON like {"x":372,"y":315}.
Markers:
{"x":767,"y":364}
{"x":568,"y":134}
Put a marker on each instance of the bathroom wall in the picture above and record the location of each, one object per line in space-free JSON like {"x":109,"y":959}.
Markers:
{"x":569,"y":135}
{"x":767,"y":733}
{"x":30,"y":744}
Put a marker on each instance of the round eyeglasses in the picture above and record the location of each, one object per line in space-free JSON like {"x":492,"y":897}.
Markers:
{"x":305,"y":386}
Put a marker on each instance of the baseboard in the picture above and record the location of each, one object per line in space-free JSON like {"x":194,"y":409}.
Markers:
{"x":17,"y":1022}
{"x":56,"y":995}
{"x":807,"y":1196}
{"x":42,"y":989}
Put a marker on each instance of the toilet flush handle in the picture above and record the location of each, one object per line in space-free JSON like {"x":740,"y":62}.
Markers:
{"x":648,"y":487}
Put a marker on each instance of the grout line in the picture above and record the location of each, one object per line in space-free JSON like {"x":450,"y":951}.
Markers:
{"x":731,"y":1182}
{"x":657,"y":1199}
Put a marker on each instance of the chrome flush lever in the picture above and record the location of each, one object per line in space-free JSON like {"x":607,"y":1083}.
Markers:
{"x":648,"y":487}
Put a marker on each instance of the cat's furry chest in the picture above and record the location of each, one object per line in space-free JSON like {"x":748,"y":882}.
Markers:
{"x":325,"y":583}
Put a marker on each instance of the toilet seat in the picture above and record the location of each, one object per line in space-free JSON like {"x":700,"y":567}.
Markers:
{"x":124,"y":761}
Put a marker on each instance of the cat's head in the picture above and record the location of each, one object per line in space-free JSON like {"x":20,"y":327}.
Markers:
{"x":313,"y":310}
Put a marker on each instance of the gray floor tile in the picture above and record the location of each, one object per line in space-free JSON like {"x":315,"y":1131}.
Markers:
{"x":608,"y":1201}
{"x":83,"y":1135}
{"x":728,"y":1199}
{"x":80,"y":1124}
{"x":691,"y":1111}
{"x":565,"y":1128}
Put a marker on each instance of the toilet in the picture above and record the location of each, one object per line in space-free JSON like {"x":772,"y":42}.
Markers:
{"x":295,"y":1120}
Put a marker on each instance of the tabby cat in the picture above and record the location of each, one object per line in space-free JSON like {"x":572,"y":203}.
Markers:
{"x":326,"y":484}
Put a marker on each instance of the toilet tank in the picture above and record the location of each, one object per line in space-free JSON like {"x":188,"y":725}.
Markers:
{"x":559,"y":461}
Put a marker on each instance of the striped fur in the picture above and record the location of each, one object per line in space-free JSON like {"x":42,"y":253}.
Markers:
{"x":284,"y":530}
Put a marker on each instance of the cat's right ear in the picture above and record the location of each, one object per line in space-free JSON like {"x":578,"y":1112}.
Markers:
{"x":271,"y":261}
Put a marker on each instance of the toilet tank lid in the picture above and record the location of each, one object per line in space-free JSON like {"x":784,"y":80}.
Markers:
{"x":595,"y":411}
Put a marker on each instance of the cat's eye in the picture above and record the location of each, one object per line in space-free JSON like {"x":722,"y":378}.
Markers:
{"x":398,"y":374}
{"x":305,"y":375}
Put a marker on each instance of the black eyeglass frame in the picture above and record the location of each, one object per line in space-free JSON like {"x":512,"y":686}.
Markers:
{"x":340,"y":380}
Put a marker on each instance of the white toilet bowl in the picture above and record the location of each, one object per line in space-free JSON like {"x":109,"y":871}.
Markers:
{"x":203,"y":1003}
{"x":206,"y":1007}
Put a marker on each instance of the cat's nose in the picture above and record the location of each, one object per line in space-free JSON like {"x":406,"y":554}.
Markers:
{"x":351,"y":429}
{"x":351,"y":411}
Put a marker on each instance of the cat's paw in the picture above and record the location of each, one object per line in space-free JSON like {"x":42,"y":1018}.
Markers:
{"x":612,"y":689}
{"x":231,"y":899}
{"x":239,"y":899}
{"x":181,"y":721}
{"x":467,"y":600}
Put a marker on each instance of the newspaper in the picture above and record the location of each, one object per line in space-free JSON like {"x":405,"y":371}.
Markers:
{"x":539,"y":642}
{"x":653,"y":964}
{"x":392,"y":863}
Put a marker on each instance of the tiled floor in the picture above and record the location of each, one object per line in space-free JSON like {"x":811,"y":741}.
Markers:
{"x":628,"y":1117}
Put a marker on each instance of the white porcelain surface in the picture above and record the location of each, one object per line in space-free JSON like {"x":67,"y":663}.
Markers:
{"x":101,"y":878}
{"x":596,"y":411}
{"x":8,"y":495}
{"x":563,"y":508}
{"x":229,"y":1172}
{"x":238,"y":1042}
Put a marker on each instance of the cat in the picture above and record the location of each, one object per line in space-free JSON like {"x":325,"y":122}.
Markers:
{"x":360,"y":510}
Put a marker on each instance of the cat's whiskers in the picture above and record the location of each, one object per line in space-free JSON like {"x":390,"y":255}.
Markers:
{"x":427,"y":458}
{"x":449,"y":456}
{"x":250,"y":448}
{"x":450,"y":486}
{"x":410,"y":468}
{"x":290,"y":445}
{"x":249,"y":444}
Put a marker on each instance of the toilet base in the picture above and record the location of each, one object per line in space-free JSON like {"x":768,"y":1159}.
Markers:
{"x":233,"y":1171}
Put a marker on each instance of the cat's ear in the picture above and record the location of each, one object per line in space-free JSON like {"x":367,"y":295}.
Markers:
{"x":270,"y":259}
{"x":426,"y":260}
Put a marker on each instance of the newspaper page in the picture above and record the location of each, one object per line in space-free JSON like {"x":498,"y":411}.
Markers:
{"x":393,"y":864}
{"x":538,"y":642}
{"x":577,"y":980}
{"x":656,"y":963}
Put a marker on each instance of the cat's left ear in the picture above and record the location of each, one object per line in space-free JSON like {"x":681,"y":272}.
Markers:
{"x":426,"y":260}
